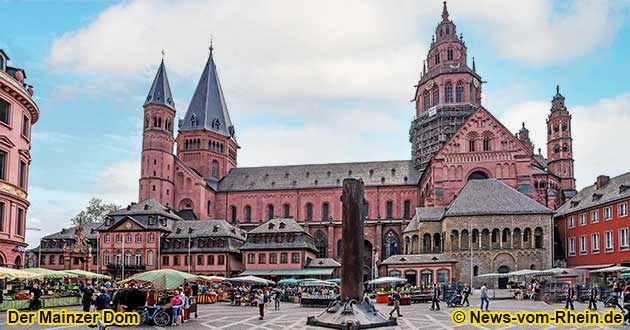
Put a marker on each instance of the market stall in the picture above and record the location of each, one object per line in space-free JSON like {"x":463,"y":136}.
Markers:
{"x":318,"y":293}
{"x":242,"y":291}
{"x":17,"y":296}
{"x":211,"y":296}
{"x":383,"y":297}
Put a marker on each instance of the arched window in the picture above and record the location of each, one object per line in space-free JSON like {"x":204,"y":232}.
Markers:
{"x":486,"y":143}
{"x":309,"y":212}
{"x":436,"y":95}
{"x":437,"y":243}
{"x":325,"y":211}
{"x":215,"y":169}
{"x":448,"y":93}
{"x":321,"y":243}
{"x":475,"y":270}
{"x":449,"y":52}
{"x":426,"y":101}
{"x":459,"y":92}
{"x":389,"y":208}
{"x":556,"y":148}
{"x":538,"y":238}
{"x":407,"y":209}
{"x":270,"y":212}
{"x":390,"y":244}
{"x":426,"y":243}
{"x":248,"y":213}
{"x":471,"y":144}
{"x":366,"y":210}
{"x":209,"y":207}
{"x":505,"y":238}
{"x":339,"y":249}
{"x":233,"y":214}
{"x":287,"y":210}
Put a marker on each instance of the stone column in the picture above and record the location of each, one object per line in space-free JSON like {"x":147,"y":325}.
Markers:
{"x":352,"y":231}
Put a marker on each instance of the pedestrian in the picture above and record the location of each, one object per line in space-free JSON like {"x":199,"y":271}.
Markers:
{"x":86,"y":298}
{"x":260,"y":301}
{"x":484,"y":297}
{"x":592,"y":299}
{"x":396,"y":301}
{"x":569,"y":299}
{"x":276,"y":299}
{"x":466,"y":292}
{"x":176,"y":307}
{"x":435,"y":298}
{"x":36,"y":293}
{"x":617,"y":288}
{"x":370,"y":305}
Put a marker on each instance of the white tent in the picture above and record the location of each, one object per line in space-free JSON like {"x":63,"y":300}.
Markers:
{"x":611,"y":269}
{"x":387,"y":280}
{"x":250,"y":280}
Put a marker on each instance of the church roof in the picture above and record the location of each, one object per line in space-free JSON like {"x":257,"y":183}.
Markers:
{"x":424,"y":214}
{"x":160,"y":92}
{"x":147,"y":207}
{"x":542,"y":161}
{"x":208,"y":110}
{"x":493,"y":197}
{"x":70,"y":233}
{"x":278,"y":226}
{"x":205,"y":228}
{"x":383,"y":173}
{"x":616,"y":188}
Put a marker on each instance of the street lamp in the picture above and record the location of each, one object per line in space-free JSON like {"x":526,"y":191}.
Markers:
{"x":189,"y":259}
{"x":39,"y":249}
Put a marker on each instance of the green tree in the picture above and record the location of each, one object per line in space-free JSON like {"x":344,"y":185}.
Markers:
{"x":94,"y":212}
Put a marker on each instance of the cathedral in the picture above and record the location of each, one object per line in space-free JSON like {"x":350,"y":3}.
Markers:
{"x":465,"y":164}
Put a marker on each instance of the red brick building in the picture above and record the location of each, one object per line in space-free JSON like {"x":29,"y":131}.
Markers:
{"x":594,"y":224}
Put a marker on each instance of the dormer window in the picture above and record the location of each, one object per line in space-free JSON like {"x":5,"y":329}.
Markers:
{"x":215,"y":229}
{"x":596,"y":197}
{"x":271,"y":226}
{"x":179,"y":230}
{"x":575,"y":203}
{"x":193,"y":120}
{"x":282,"y":225}
{"x":216,"y":124}
{"x":623,"y":188}
{"x":190,"y":230}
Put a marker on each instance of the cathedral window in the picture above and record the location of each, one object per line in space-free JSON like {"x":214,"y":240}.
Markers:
{"x":270,"y":211}
{"x":325,"y":211}
{"x":248,"y":213}
{"x":366,"y":210}
{"x":193,"y":120}
{"x":389,"y":209}
{"x":486,"y":143}
{"x":159,"y":122}
{"x":471,"y":144}
{"x":437,"y":58}
{"x":287,"y":210}
{"x":233,"y":214}
{"x":309,"y":212}
{"x":565,"y":148}
{"x":448,"y":30}
{"x":459,"y":92}
{"x":436,"y":95}
{"x":407,"y":209}
{"x":556,"y":148}
{"x":209,"y":206}
{"x":449,"y":53}
{"x":448,"y":93}
{"x":390,"y":244}
{"x":216,"y":124}
{"x":215,"y":169}
{"x":564,"y":127}
{"x":426,"y":101}
{"x":321,"y":243}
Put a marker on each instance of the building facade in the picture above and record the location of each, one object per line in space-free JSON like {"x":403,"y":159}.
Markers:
{"x":593,"y":225}
{"x":18,"y":113}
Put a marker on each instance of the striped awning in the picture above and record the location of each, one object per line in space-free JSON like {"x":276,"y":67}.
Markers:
{"x":17,"y":274}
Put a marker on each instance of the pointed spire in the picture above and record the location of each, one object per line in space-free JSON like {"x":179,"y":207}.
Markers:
{"x":211,"y":48}
{"x":474,"y":66}
{"x":160,"y":92}
{"x":424,"y":66}
{"x":444,"y":12}
{"x":557,"y":89}
{"x":208,"y":109}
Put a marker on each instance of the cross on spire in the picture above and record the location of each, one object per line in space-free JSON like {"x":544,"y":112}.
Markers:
{"x":444,"y":12}
{"x":211,"y":47}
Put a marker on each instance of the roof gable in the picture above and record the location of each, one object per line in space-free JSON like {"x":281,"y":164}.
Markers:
{"x":479,"y":124}
{"x":127,"y":224}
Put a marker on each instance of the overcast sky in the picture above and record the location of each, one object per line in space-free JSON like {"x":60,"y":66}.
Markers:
{"x":305,"y":81}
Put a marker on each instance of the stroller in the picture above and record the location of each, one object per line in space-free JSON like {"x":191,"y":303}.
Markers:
{"x":455,"y":300}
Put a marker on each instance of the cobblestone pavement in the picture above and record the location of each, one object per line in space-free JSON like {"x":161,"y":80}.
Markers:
{"x":291,"y":316}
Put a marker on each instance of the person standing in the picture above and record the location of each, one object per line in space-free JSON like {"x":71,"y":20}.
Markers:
{"x":592,"y":299}
{"x":276,"y":299}
{"x":86,"y":299}
{"x":260,"y":301}
{"x":466,"y":292}
{"x":176,"y":307}
{"x":435,"y":298}
{"x":396,"y":301}
{"x":484,"y":297}
{"x":569,"y":299}
{"x":36,"y":293}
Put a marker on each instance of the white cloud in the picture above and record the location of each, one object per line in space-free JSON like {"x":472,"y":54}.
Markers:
{"x":598,"y":130}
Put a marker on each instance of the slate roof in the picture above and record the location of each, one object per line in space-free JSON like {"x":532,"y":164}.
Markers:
{"x":424,"y":214}
{"x":278,"y":226}
{"x":160,"y":92}
{"x":407,"y":259}
{"x":147,"y":207}
{"x":537,"y":170}
{"x":491,"y":197}
{"x":617,"y":188}
{"x":378,"y":173}
{"x":205,"y":228}
{"x":70,"y":233}
{"x":207,"y":109}
{"x":542,"y":161}
{"x":322,"y":263}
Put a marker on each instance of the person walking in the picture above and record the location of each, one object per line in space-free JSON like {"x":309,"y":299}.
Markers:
{"x":466,"y":292}
{"x":36,"y":294}
{"x":260,"y":301}
{"x":276,"y":299}
{"x":569,"y":299}
{"x":484,"y":297}
{"x":86,"y":298}
{"x":435,"y":298}
{"x":592,"y":299}
{"x":396,"y":301}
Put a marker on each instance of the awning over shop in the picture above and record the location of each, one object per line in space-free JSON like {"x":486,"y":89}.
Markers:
{"x":612,"y":269}
{"x":289,"y":272}
{"x":593,"y":266}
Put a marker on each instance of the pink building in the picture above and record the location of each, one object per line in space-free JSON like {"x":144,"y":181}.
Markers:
{"x":18,"y":112}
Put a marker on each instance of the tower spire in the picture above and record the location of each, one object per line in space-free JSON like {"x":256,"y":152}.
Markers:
{"x":160,"y":92}
{"x":444,"y":12}
{"x":211,"y":48}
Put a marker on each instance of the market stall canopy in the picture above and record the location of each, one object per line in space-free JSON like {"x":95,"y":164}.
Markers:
{"x":308,"y":279}
{"x":49,"y":273}
{"x":320,"y":284}
{"x":288,"y":281}
{"x":559,"y":272}
{"x":163,"y":279}
{"x":289,"y":272}
{"x":250,"y":280}
{"x":526,"y":272}
{"x":213,"y":279}
{"x":85,"y":274}
{"x":612,"y":269}
{"x":387,"y":280}
{"x":334,"y":280}
{"x":494,"y":275}
{"x":625,"y":275}
{"x":16,"y":274}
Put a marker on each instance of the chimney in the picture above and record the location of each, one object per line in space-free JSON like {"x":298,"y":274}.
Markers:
{"x":602,"y":180}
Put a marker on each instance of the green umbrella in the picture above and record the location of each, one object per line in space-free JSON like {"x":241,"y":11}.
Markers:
{"x":164,"y":279}
{"x":288,"y":281}
{"x":48,"y":273}
{"x":85,"y":274}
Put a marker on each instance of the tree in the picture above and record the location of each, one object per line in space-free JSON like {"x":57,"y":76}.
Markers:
{"x":94,"y":212}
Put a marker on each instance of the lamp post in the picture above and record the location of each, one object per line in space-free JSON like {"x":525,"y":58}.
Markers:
{"x":123,"y":258}
{"x":39,"y":249}
{"x":189,"y":259}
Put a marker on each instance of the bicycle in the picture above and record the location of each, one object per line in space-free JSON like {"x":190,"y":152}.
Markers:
{"x":158,"y":316}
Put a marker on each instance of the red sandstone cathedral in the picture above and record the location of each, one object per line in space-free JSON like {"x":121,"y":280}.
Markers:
{"x":454,"y":139}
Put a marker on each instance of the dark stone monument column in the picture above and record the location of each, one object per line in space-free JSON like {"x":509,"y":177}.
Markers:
{"x":352,"y":229}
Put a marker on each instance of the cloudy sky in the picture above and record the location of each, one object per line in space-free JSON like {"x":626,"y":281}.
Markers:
{"x":306,"y":82}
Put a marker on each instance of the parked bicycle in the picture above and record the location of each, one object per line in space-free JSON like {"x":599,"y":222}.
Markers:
{"x":155,"y":315}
